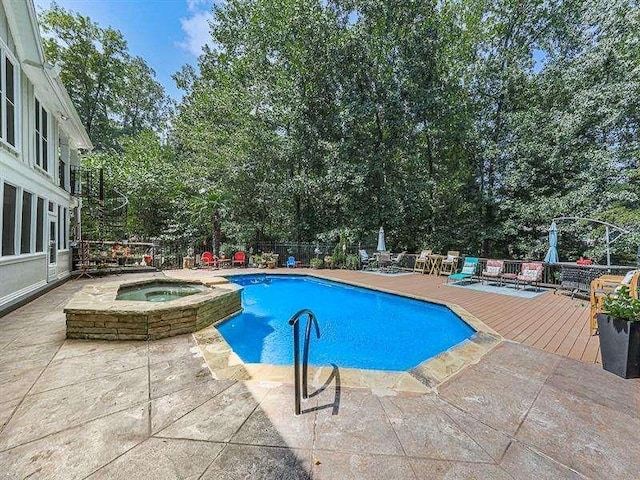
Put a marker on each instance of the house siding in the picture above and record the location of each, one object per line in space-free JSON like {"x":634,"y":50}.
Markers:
{"x":23,"y":273}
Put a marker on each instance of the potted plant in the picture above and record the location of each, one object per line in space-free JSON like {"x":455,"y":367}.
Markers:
{"x":619,"y":330}
{"x":316,"y":263}
{"x":270,"y":259}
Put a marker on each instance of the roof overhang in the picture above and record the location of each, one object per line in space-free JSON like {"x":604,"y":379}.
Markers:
{"x":23,"y":23}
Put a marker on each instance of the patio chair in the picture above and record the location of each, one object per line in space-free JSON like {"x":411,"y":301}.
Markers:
{"x":364,"y":258}
{"x":383,"y":259}
{"x":493,"y":271}
{"x":421,"y":261}
{"x":530,"y":274}
{"x":608,"y":285}
{"x":395,"y":261}
{"x":468,"y":270}
{"x":292,"y":262}
{"x":209,"y":259}
{"x":239,"y":258}
{"x":450,"y":264}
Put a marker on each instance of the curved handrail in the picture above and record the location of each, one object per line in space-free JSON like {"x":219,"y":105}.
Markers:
{"x":294,"y":321}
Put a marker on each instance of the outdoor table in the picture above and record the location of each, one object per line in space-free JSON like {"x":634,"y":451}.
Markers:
{"x":224,"y":262}
{"x":434,"y":263}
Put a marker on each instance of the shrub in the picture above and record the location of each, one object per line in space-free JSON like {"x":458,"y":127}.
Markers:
{"x":316,"y":263}
{"x":339,"y":258}
{"x":622,"y":306}
{"x":352,"y":262}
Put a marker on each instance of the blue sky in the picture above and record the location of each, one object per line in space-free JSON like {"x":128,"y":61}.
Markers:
{"x":166,"y":33}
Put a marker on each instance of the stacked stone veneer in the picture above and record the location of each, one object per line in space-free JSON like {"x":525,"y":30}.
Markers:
{"x":95,"y":314}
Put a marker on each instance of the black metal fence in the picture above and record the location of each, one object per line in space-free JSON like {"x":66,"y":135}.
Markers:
{"x":170,"y":255}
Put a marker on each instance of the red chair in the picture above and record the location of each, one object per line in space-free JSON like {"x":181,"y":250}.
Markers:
{"x":239,"y":258}
{"x":209,"y":259}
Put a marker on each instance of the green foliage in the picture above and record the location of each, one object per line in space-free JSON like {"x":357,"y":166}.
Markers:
{"x":434,"y":120}
{"x":352,"y":262}
{"x":114,"y":93}
{"x":621,"y":305}
{"x":459,"y":123}
{"x":316,"y":263}
{"x":339,"y":257}
{"x":228,"y":250}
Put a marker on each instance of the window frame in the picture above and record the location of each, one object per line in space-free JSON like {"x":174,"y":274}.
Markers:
{"x":42,"y":136}
{"x":3,"y":212}
{"x":7,"y":55}
{"x":41,"y":224}
{"x":31,"y":222}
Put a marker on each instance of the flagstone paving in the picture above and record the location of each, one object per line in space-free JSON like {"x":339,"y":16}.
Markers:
{"x":73,"y":409}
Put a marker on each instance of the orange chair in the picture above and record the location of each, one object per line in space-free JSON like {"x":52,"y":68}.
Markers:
{"x":239,"y":258}
{"x":209,"y":259}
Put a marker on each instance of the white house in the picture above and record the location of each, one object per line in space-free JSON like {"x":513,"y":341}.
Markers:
{"x":40,"y":135}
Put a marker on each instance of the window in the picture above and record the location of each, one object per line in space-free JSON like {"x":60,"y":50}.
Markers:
{"x":39,"y":224}
{"x":9,"y":220}
{"x":25,"y":232}
{"x":62,"y":174}
{"x":59,"y":240}
{"x":8,"y":95}
{"x":65,"y":228}
{"x":10,"y":102}
{"x":42,"y":133}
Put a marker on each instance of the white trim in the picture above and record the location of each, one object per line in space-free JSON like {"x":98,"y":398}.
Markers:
{"x":25,"y":257}
{"x":16,"y":244}
{"x":22,"y":292}
{"x":6,"y":53}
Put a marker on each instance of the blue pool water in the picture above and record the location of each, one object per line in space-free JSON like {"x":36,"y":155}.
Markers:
{"x":359,"y":328}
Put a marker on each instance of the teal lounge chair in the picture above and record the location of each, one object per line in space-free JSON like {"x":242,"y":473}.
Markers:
{"x":468,"y":270}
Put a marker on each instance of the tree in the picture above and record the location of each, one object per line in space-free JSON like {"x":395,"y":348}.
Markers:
{"x":114,"y":93}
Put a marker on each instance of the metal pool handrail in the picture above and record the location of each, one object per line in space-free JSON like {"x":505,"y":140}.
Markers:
{"x":311,"y":319}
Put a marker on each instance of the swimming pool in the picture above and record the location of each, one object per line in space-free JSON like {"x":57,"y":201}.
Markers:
{"x":360,"y":328}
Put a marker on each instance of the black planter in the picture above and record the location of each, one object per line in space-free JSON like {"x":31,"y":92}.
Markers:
{"x":619,"y":346}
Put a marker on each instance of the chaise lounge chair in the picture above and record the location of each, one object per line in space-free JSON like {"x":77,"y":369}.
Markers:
{"x":468,"y":270}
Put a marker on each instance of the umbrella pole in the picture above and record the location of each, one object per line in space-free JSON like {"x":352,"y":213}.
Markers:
{"x":606,"y":237}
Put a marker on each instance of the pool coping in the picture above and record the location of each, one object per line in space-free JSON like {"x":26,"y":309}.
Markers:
{"x":224,"y":363}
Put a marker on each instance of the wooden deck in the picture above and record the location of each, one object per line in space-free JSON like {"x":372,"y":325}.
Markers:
{"x":554,"y":323}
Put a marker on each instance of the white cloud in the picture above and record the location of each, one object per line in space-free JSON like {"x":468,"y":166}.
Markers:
{"x":195,"y":5}
{"x":196,"y":31}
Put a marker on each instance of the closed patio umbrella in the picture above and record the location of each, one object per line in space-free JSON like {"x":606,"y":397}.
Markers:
{"x":552,"y":254}
{"x":381,"y":245}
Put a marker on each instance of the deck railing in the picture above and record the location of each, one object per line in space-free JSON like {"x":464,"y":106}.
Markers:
{"x":564,"y":275}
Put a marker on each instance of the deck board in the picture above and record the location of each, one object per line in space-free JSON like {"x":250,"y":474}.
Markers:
{"x":554,"y":323}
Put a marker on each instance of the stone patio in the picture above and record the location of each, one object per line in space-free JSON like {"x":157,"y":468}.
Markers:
{"x":127,"y":410}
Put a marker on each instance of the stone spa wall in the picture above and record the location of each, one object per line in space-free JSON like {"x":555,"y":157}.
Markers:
{"x":94,"y":313}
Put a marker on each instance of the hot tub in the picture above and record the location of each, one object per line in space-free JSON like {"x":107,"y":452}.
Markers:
{"x":149,"y":309}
